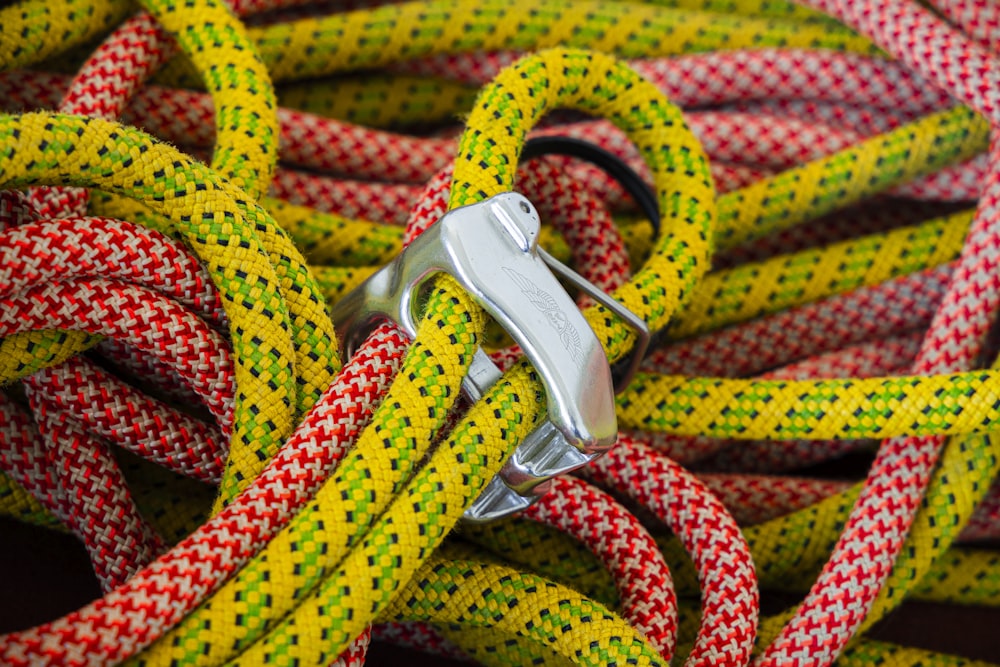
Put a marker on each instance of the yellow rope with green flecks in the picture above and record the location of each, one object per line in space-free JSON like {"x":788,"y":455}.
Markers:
{"x":379,"y":101}
{"x":468,"y":592}
{"x":92,"y":153}
{"x":850,"y":176}
{"x":45,"y":29}
{"x":368,"y":38}
{"x":558,"y":78}
{"x":180,"y":191}
{"x":787,"y":551}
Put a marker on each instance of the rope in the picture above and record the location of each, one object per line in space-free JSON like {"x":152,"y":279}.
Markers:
{"x":824,"y":279}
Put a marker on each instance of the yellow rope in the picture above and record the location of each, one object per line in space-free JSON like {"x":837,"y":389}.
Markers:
{"x":450,"y":592}
{"x":369,"y":38}
{"x":396,"y":495}
{"x":32,"y":31}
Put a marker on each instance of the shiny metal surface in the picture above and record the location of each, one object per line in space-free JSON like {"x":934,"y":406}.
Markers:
{"x":491,"y":249}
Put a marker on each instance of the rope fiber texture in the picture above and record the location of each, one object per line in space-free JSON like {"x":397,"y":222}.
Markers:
{"x":186,"y":188}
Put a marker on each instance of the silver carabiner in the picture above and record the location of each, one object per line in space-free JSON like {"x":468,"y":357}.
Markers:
{"x":491,"y":249}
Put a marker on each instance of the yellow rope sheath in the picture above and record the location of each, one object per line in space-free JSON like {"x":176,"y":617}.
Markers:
{"x":33,"y":30}
{"x":763,"y":8}
{"x":504,"y":94}
{"x":370,"y":546}
{"x":788,"y":550}
{"x":375,"y":471}
{"x":335,"y":282}
{"x":752,"y":290}
{"x":849,"y":409}
{"x":323,"y":238}
{"x":326,"y":238}
{"x":312,"y":48}
{"x":488,"y":159}
{"x":379,"y":101}
{"x":211,"y":215}
{"x":963,"y":575}
{"x":22,"y":354}
{"x":407,"y":533}
{"x":546,"y":551}
{"x":868,"y":652}
{"x":18,"y":503}
{"x":872,"y":166}
{"x":246,"y":118}
{"x":493,"y":648}
{"x":449,"y":592}
{"x":488,"y":645}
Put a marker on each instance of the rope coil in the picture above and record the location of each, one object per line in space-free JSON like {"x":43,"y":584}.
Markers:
{"x":825,"y":277}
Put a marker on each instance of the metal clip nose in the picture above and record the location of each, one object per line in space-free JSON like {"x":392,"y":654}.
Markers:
{"x":491,"y":249}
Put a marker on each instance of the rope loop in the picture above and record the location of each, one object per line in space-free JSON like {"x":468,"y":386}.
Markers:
{"x":186,"y":191}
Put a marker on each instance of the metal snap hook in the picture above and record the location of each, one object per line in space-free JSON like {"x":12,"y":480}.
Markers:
{"x":491,"y":249}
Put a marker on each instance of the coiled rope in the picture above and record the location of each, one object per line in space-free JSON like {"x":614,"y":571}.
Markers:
{"x":167,"y":308}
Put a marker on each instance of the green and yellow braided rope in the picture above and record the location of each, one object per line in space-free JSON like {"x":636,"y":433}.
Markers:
{"x":870,"y":167}
{"x":963,"y":575}
{"x":869,"y":652}
{"x":491,"y":646}
{"x":780,"y":9}
{"x":45,"y":29}
{"x":720,"y":405}
{"x":18,"y":503}
{"x":246,"y":114}
{"x":837,"y":409}
{"x":385,"y":100}
{"x":369,"y":38}
{"x":552,"y":79}
{"x":24,"y":353}
{"x":211,"y":215}
{"x":759,"y":288}
{"x":471,"y":594}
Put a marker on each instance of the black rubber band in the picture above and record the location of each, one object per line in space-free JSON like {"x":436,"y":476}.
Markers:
{"x":607,"y":162}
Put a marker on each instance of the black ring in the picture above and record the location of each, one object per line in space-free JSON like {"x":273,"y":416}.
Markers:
{"x":608,"y":162}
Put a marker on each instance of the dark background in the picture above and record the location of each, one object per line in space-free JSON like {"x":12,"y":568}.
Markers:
{"x":46,"y":574}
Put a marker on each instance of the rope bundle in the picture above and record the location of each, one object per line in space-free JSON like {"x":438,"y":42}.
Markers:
{"x":824,"y":284}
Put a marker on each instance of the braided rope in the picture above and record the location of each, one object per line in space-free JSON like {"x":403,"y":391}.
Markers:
{"x":806,"y":340}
